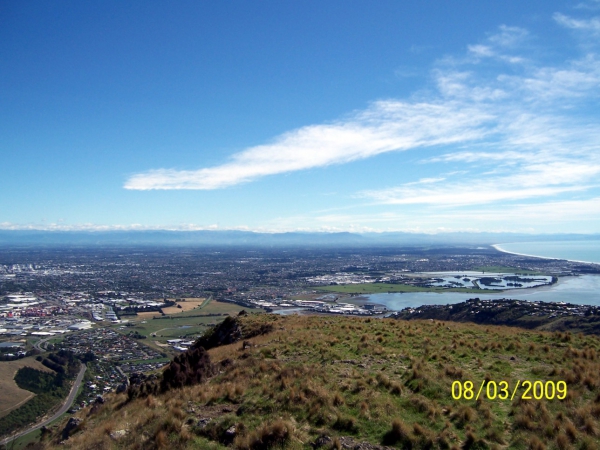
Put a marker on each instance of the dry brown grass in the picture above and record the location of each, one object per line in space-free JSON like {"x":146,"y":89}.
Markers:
{"x":268,"y":435}
{"x":11,"y":395}
{"x":184,"y":306}
{"x":347,"y":376}
{"x":400,"y":435}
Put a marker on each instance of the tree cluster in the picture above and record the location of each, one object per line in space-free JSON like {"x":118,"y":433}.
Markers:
{"x":49,"y":388}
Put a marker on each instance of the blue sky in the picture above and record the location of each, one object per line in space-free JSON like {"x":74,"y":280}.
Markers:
{"x":301,"y":115}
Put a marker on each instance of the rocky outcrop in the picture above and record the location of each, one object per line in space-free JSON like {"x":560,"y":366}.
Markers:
{"x":227,"y":332}
{"x":71,"y":426}
{"x":194,"y":366}
{"x":231,"y":330}
{"x":188,"y":368}
{"x":191,"y":367}
{"x":141,"y":385}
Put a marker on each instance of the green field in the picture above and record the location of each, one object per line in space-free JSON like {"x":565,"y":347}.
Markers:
{"x":169,"y":326}
{"x":378,"y":288}
{"x":184,"y":325}
{"x":212,"y":307}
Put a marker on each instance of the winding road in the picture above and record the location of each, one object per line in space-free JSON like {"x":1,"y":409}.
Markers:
{"x":38,"y":344}
{"x":63,"y":409}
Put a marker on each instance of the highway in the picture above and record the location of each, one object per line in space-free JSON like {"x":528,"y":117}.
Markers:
{"x":38,"y":344}
{"x":63,"y":409}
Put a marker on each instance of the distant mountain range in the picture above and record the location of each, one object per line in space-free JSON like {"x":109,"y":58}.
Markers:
{"x":252,"y":239}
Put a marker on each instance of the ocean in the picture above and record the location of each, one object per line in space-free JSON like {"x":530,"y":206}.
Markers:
{"x":580,"y":290}
{"x":583,"y":290}
{"x":587,"y":251}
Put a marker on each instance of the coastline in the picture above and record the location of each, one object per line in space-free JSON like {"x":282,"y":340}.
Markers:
{"x":361,"y":299}
{"x":500,"y":249}
{"x":577,"y":289}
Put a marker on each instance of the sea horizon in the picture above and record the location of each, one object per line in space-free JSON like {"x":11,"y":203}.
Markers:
{"x":577,"y":251}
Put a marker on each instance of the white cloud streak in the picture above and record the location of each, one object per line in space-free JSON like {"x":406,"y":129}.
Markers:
{"x":386,"y":126}
{"x":551,"y":176}
{"x":592,"y":24}
{"x":518,"y":132}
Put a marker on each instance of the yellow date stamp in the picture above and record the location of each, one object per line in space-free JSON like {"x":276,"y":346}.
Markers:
{"x":501,"y":390}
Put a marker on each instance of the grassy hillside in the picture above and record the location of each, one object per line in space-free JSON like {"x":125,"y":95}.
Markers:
{"x":339,"y":382}
{"x":11,"y":395}
{"x":543,"y":316}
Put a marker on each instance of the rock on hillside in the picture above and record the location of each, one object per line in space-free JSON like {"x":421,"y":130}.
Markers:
{"x":231,"y":330}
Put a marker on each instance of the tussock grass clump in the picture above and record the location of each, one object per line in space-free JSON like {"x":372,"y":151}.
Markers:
{"x":562,"y":442}
{"x":395,"y":388}
{"x":383,"y":380}
{"x":496,"y":434}
{"x":453,"y":372}
{"x":377,"y":381}
{"x":399,"y":435}
{"x":472,"y":442}
{"x":464,"y":415}
{"x":424,"y":405}
{"x":268,"y":435}
{"x":347,"y":424}
{"x":338,"y":399}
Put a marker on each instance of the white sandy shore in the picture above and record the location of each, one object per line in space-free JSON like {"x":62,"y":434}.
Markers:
{"x":500,"y":249}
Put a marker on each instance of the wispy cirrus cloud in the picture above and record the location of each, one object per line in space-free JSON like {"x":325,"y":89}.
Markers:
{"x":592,"y":24}
{"x":515,"y":129}
{"x":499,"y":45}
{"x":543,"y":180}
{"x":384,"y":127}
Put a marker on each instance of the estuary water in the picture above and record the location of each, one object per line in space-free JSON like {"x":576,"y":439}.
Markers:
{"x":580,"y":290}
{"x":586,"y":251}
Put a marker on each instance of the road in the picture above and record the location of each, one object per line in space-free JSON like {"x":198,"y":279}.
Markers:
{"x":38,"y":344}
{"x":63,"y":409}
